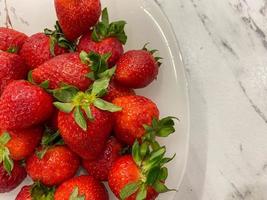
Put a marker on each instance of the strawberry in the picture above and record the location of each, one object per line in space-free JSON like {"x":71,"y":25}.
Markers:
{"x":123,"y":172}
{"x":66,"y":68}
{"x":11,"y":40}
{"x":9,"y":181}
{"x":100,"y":167}
{"x":23,"y":105}
{"x":84,"y":121}
{"x":21,"y":143}
{"x":41,"y":47}
{"x":89,"y":143}
{"x":137,"y":68}
{"x":53,"y":166}
{"x":83,"y":188}
{"x":12,"y":68}
{"x":36,"y":191}
{"x":142,"y":175}
{"x":71,"y":69}
{"x":115,"y":90}
{"x":76,"y":17}
{"x":136,"y":111}
{"x":105,"y":38}
{"x":36,"y":50}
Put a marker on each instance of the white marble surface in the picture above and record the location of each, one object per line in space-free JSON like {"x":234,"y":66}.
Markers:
{"x":224,"y":47}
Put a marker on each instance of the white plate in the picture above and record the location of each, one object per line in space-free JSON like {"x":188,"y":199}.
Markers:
{"x":146,"y":23}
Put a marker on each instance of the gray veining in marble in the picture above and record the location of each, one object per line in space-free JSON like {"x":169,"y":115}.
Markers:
{"x":224,"y":47}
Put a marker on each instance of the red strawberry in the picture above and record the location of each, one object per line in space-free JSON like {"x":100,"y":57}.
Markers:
{"x":123,"y":172}
{"x":100,"y":167}
{"x":22,"y":143}
{"x":90,"y":143}
{"x":136,"y":111}
{"x":137,"y":69}
{"x":142,"y":175}
{"x":105,"y":38}
{"x":115,"y":90}
{"x":77,"y":16}
{"x":23,"y":105}
{"x":9,"y":182}
{"x":12,"y":68}
{"x":82,"y":187}
{"x":66,"y":68}
{"x":84,"y":121}
{"x":107,"y":45}
{"x":57,"y":165}
{"x":11,"y":39}
{"x":36,"y":50}
{"x":35,"y":191}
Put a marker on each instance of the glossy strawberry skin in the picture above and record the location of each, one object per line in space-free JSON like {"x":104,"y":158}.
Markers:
{"x":136,"y":69}
{"x":87,"y":185}
{"x":12,"y":68}
{"x":87,"y":144}
{"x":58,"y":165}
{"x":115,"y":90}
{"x":108,"y":45}
{"x":25,"y":193}
{"x":66,"y":68}
{"x":23,"y":142}
{"x":10,"y":182}
{"x":36,"y":50}
{"x":100,"y":167}
{"x":136,"y":111}
{"x":10,"y":38}
{"x":123,"y":172}
{"x":23,"y":105}
{"x":87,"y":13}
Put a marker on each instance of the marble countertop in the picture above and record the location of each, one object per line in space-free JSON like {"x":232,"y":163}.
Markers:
{"x":224,"y":47}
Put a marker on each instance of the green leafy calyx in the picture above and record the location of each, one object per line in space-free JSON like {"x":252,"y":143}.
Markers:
{"x":57,"y":37}
{"x":40,"y":192}
{"x":105,"y":29}
{"x":49,"y":139}
{"x":97,"y":63}
{"x":5,"y":154}
{"x":158,"y":128}
{"x":70,"y":99}
{"x":150,"y":157}
{"x":153,"y":51}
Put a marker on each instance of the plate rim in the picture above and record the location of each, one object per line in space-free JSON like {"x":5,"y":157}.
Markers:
{"x":176,"y":48}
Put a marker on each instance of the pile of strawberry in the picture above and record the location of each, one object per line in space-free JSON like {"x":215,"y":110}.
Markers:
{"x":67,"y":100}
